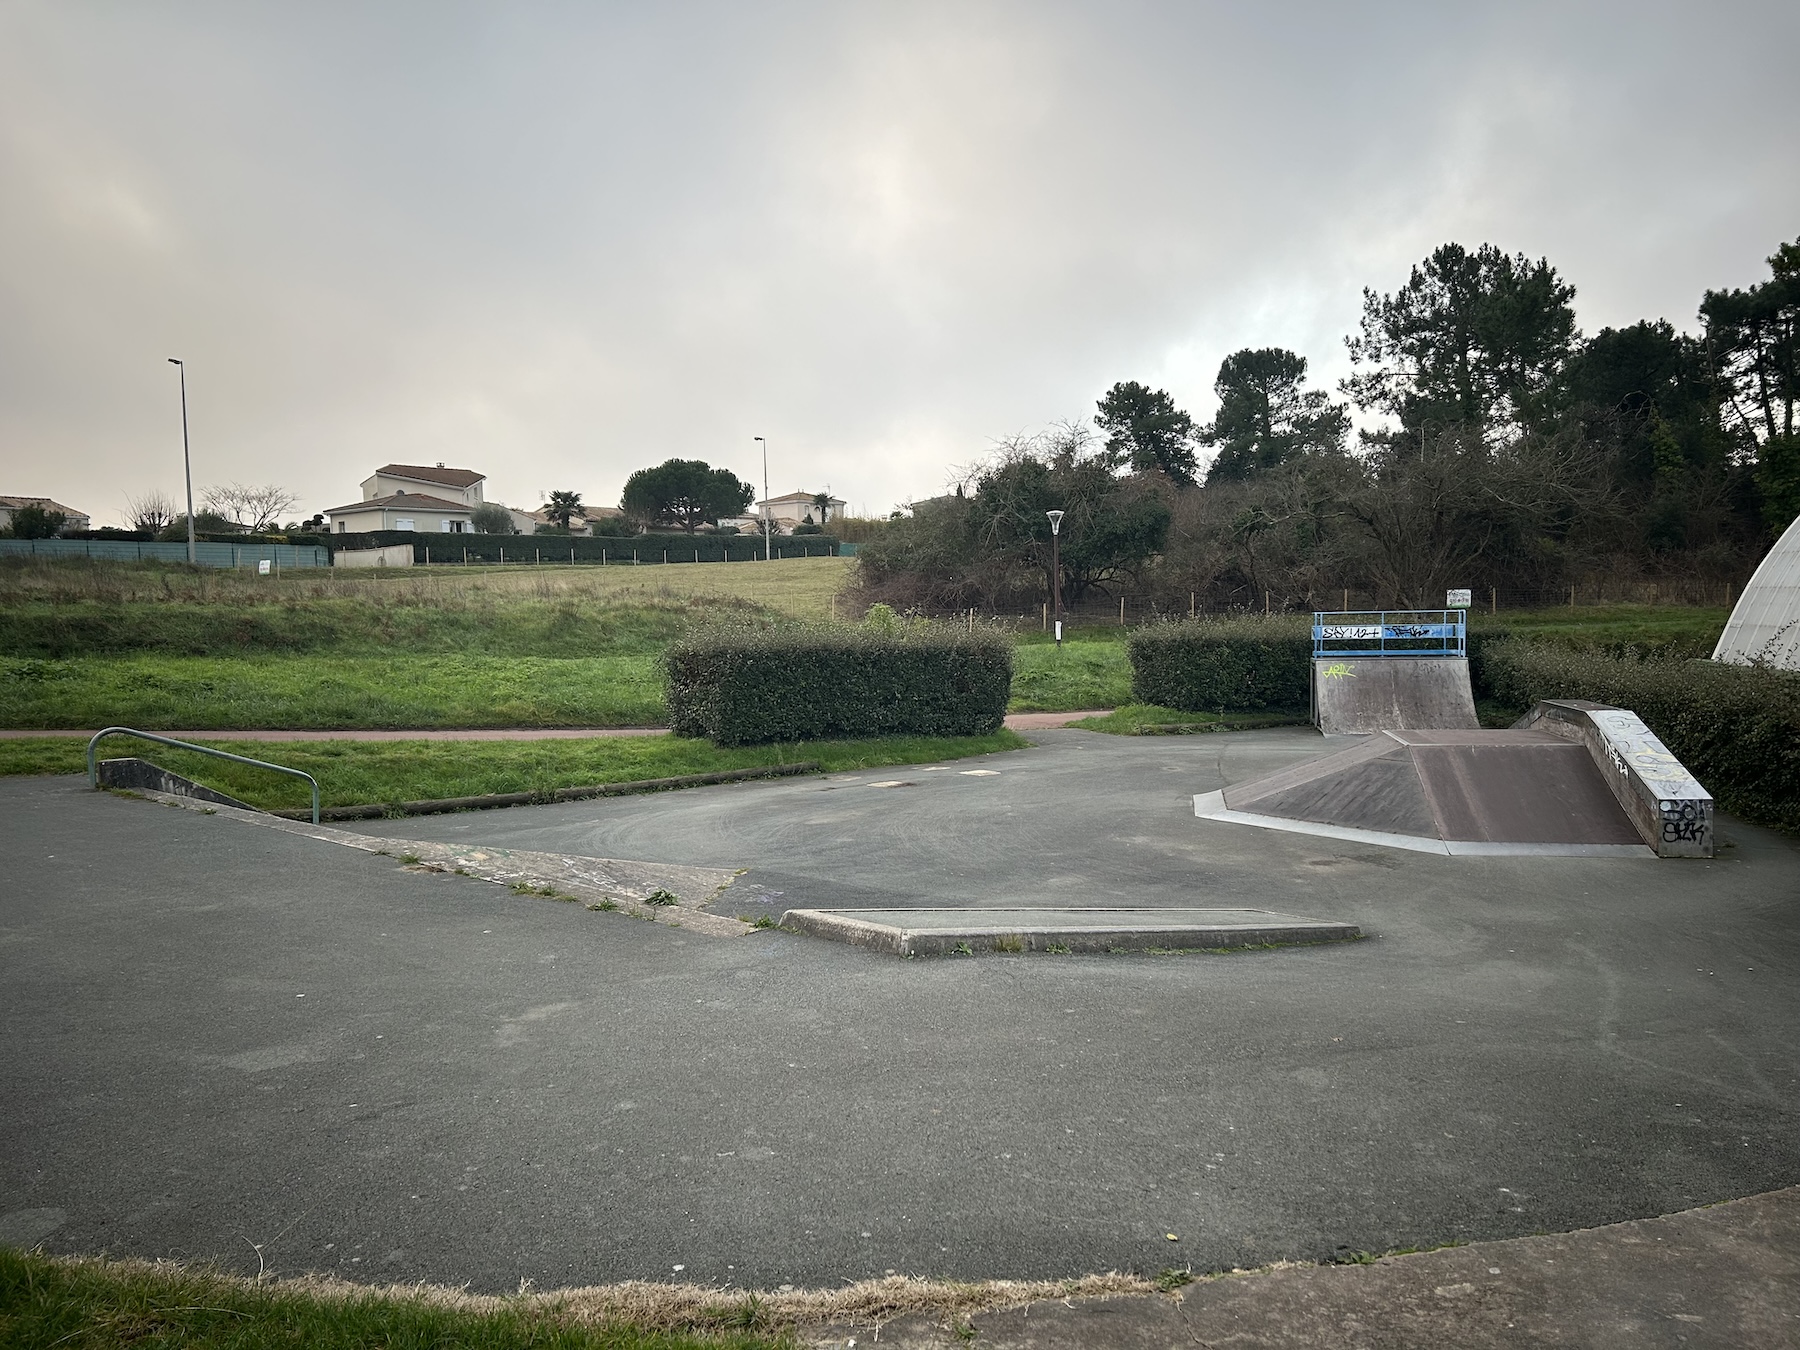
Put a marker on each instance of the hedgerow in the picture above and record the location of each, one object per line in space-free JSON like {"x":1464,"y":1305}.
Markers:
{"x":743,"y":685}
{"x":1736,"y":727}
{"x":1215,"y":665}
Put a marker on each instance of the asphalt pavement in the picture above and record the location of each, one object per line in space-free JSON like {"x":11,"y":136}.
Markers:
{"x":231,"y":1042}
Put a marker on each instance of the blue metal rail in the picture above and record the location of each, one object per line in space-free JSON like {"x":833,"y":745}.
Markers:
{"x":1391,"y":632}
{"x":94,"y":768}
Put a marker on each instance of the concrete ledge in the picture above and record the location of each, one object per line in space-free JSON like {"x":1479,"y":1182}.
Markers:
{"x":140,"y":775}
{"x":1662,"y":799}
{"x":943,"y":932}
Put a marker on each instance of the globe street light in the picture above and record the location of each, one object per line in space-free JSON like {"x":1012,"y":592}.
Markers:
{"x":187,"y":464}
{"x":765,"y":500}
{"x":1056,"y":568}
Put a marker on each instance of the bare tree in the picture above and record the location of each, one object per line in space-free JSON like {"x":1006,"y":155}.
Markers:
{"x":152,"y":512}
{"x":253,"y":509}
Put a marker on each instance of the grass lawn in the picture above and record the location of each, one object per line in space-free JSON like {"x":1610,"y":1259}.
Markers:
{"x":1083,"y":673}
{"x":307,"y":691}
{"x":1129,"y":719}
{"x":355,"y":773}
{"x":87,"y":1305}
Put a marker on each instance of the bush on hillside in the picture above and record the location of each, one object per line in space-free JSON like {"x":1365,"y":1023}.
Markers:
{"x":1219,"y":665}
{"x":744,"y":685}
{"x":1737,"y":728}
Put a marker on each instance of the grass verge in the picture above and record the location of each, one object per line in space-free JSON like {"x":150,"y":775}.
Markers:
{"x":1137,"y":719}
{"x":51,"y":1301}
{"x":355,"y":773}
{"x":85,"y":1302}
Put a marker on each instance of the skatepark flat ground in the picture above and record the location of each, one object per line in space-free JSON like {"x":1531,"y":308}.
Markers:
{"x":229,"y":1042}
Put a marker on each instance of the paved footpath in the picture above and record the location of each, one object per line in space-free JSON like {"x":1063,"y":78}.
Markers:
{"x":226,"y":1041}
{"x":1015,"y":721}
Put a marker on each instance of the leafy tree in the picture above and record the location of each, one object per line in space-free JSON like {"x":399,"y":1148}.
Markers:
{"x":562,"y":508}
{"x":684,"y":492}
{"x":492,"y":518}
{"x":36,"y":522}
{"x":1265,"y":418}
{"x":1753,"y":341}
{"x":1146,"y":430}
{"x":1473,"y":341}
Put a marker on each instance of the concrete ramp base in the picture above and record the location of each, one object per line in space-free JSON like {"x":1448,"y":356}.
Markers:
{"x":945,"y":932}
{"x":1451,"y":792}
{"x":1362,"y":695}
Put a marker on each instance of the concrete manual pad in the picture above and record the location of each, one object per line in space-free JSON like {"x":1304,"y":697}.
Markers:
{"x":939,"y":932}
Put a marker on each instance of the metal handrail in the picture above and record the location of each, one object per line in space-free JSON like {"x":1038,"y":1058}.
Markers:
{"x":94,"y":769}
{"x":1415,"y":632}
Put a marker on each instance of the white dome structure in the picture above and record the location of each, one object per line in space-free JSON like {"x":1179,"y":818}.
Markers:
{"x":1765,"y":624}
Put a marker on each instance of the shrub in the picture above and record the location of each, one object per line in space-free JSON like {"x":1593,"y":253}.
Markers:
{"x":743,"y":685}
{"x":1736,"y":727}
{"x":1215,"y":665}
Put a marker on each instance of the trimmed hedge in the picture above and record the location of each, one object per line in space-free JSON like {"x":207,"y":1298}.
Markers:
{"x":745,"y":686}
{"x":1736,"y":727}
{"x":1217,"y":665}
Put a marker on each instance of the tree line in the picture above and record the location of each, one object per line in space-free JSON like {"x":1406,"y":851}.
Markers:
{"x":1498,"y":446}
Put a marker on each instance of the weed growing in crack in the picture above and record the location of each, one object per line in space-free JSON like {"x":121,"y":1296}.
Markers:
{"x":1170,"y":1280}
{"x":604,"y":906}
{"x":962,"y":949}
{"x":661,"y":897}
{"x":1057,"y":949}
{"x":410,"y":859}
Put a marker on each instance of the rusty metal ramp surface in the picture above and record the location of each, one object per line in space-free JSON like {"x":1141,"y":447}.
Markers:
{"x":1448,"y":791}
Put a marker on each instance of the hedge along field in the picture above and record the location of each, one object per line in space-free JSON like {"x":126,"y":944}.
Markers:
{"x":742,"y":685}
{"x":1736,"y":727}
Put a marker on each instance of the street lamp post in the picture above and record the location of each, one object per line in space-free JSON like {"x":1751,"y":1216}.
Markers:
{"x":765,"y":501}
{"x":1056,"y":568}
{"x":187,"y":463}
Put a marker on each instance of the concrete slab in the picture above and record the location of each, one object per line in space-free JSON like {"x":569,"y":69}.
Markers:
{"x":939,"y":932}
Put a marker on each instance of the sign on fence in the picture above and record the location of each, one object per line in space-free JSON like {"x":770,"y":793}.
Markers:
{"x":1458,"y":599}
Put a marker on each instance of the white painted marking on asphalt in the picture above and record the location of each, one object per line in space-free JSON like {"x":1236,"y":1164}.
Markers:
{"x":980,"y":773}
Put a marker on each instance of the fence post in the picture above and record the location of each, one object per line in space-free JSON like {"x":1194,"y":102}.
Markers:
{"x":1121,"y":611}
{"x":1493,"y":599}
{"x":1571,"y":596}
{"x":1046,"y":616}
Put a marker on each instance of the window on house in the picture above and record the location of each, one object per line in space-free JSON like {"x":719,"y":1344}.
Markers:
{"x":404,"y":523}
{"x":342,"y":526}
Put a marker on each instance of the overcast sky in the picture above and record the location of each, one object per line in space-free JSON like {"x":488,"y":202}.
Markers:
{"x":555,"y":243}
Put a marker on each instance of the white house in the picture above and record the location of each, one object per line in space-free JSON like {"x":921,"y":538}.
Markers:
{"x":785,"y":512}
{"x":402,"y":511}
{"x":456,"y":485}
{"x":72,"y":519}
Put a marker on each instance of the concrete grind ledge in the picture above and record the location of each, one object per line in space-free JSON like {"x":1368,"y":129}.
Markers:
{"x":945,"y":932}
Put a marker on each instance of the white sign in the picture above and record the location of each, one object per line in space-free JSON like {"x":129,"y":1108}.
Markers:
{"x":262,"y":568}
{"x":1457,"y":599}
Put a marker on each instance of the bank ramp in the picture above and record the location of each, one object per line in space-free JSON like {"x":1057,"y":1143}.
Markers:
{"x":1573,"y":780}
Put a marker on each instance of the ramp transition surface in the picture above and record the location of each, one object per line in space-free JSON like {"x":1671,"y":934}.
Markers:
{"x":1360,"y":695}
{"x":1443,"y":791}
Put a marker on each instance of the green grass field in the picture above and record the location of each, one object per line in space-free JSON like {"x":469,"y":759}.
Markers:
{"x":357,"y":773}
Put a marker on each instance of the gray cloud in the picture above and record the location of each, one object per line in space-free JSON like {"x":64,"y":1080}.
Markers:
{"x":557,"y":243}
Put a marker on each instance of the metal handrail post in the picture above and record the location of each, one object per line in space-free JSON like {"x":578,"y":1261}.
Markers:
{"x":93,"y":766}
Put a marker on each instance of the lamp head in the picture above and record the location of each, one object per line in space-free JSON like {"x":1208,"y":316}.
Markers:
{"x":173,"y":361}
{"x":1055,"y":521}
